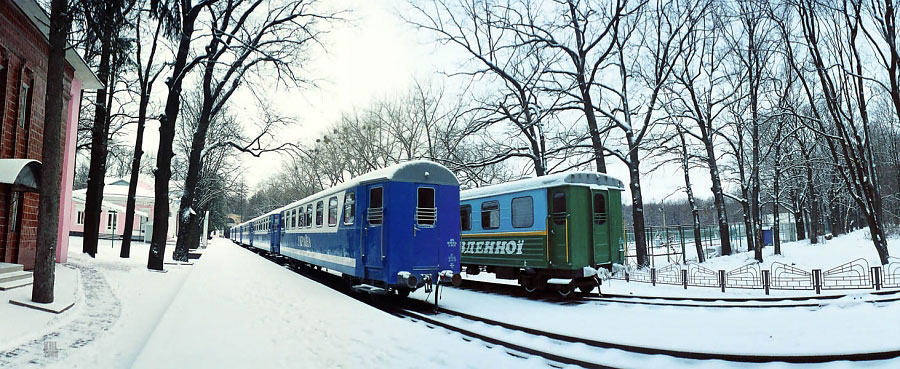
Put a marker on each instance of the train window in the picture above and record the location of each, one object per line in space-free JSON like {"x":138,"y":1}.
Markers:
{"x":490,"y":215}
{"x":559,"y":208}
{"x":308,"y":216}
{"x":332,"y":211}
{"x":375,"y":212}
{"x":320,"y":209}
{"x":426,"y":212}
{"x":522,"y":212}
{"x":465,"y":217}
{"x":349,"y":208}
{"x":599,"y":208}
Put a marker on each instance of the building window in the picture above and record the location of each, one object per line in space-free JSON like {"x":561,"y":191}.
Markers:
{"x":465,"y":217}
{"x":23,"y":105}
{"x":80,"y":218}
{"x":14,"y":212}
{"x":522,"y":212}
{"x":2,"y":97}
{"x":490,"y":215}
{"x":349,"y":208}
{"x":319,"y":212}
{"x":332,"y":211}
{"x":111,"y":218}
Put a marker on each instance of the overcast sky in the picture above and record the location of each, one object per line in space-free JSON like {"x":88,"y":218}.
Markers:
{"x":378,"y":55}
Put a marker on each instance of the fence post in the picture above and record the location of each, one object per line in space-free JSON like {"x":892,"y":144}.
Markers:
{"x":653,"y":276}
{"x":684,"y":278}
{"x":817,"y":280}
{"x":765,"y":280}
{"x":722,"y":279}
{"x":876,"y":277}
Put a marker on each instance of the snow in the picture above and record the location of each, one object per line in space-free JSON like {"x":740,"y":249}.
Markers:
{"x":801,"y":254}
{"x":240,"y":310}
{"x":233,"y":308}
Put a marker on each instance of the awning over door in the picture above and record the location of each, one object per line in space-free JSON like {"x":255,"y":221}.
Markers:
{"x":23,"y":174}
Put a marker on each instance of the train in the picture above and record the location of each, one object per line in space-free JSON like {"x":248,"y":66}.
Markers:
{"x":393,"y":230}
{"x":552,"y":232}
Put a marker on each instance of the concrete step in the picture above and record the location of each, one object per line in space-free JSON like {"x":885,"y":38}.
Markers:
{"x":8,"y":267}
{"x":16,"y":283}
{"x":14,"y":276}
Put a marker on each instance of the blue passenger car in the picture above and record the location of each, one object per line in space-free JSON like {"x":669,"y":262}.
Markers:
{"x":394,"y":229}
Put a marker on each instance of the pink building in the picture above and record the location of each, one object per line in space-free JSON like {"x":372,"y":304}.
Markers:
{"x":24,"y":52}
{"x":112,"y":217}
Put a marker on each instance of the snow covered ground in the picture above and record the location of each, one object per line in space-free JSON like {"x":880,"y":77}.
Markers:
{"x":233,"y":308}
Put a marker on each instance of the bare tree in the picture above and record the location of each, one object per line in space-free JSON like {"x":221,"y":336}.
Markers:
{"x":106,"y":20}
{"x":845,"y":129}
{"x":247,"y":37}
{"x":147,"y":75}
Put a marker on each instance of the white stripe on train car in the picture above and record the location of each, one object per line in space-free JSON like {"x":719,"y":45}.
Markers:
{"x":342,"y":260}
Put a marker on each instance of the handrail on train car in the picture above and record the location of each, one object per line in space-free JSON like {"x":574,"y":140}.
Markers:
{"x":567,"y":238}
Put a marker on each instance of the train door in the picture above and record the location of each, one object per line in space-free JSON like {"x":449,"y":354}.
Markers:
{"x":425,"y":234}
{"x":275,"y":234}
{"x":558,"y":226}
{"x":600,"y":226}
{"x":373,"y":232}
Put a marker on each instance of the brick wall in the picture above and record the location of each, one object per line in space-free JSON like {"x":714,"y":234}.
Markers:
{"x":23,"y":55}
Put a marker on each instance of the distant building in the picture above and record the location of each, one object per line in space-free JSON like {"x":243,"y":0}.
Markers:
{"x":24,"y":51}
{"x":112,"y":217}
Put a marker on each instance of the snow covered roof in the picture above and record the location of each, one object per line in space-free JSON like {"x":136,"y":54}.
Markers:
{"x":41,"y":21}
{"x":590,"y":179}
{"x":119,"y":187}
{"x":419,"y":171}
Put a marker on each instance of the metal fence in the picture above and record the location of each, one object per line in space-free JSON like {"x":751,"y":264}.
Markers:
{"x":675,"y":244}
{"x":856,"y":274}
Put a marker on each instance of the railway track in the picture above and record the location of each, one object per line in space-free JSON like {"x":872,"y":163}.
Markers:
{"x":600,"y":348}
{"x":510,"y":336}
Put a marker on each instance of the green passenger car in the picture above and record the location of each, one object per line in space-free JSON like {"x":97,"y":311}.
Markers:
{"x":550,"y":232}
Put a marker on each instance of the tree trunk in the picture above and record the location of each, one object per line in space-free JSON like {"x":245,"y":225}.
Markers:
{"x":776,"y":206}
{"x":135,"y":171}
{"x":97,"y":171}
{"x":166,"y":139}
{"x":718,"y":193}
{"x":695,"y":213}
{"x":144,"y":100}
{"x":798,"y":214}
{"x":813,"y":204}
{"x":637,"y":202}
{"x":51,"y":157}
{"x":195,"y":163}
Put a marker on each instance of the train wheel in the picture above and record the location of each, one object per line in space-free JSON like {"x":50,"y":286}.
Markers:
{"x":402,"y":292}
{"x":529,"y":286}
{"x":565,"y":290}
{"x":473,"y":270}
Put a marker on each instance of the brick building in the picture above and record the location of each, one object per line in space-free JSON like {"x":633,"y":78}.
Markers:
{"x":24,"y":49}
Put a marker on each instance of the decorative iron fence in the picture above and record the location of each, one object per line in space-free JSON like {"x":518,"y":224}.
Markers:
{"x":856,"y":274}
{"x":675,"y":244}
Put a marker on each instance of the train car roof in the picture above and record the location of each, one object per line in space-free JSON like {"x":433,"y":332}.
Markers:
{"x":418,"y":171}
{"x":590,"y":179}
